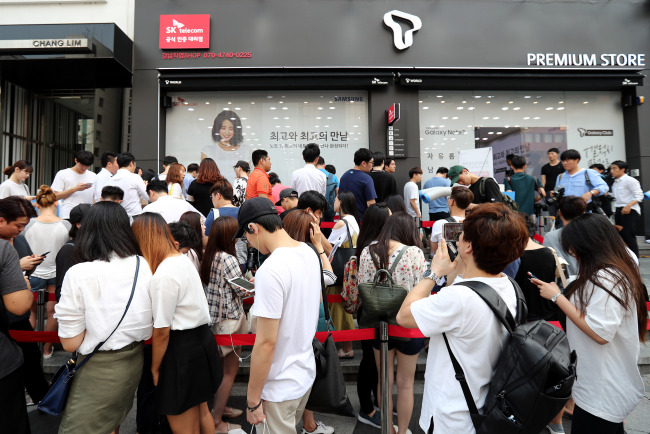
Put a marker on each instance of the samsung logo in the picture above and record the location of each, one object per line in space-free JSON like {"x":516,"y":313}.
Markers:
{"x":348,"y":98}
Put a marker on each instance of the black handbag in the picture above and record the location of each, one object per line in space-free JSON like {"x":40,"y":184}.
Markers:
{"x":342,"y":255}
{"x":328,"y":393}
{"x":381,"y":301}
{"x":57,"y":396}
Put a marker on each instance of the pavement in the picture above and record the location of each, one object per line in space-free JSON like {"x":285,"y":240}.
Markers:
{"x":638,"y":421}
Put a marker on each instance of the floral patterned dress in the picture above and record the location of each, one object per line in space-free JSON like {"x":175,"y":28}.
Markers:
{"x":408,"y":273}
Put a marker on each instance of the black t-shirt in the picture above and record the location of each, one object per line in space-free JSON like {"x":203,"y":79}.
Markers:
{"x":541,"y":263}
{"x":385,"y":184}
{"x":491,"y":191}
{"x":63,"y":262}
{"x":551,"y":173}
{"x":201,"y":194}
{"x":22,"y":248}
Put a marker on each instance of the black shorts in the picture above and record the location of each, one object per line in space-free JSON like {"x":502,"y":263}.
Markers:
{"x":406,"y":346}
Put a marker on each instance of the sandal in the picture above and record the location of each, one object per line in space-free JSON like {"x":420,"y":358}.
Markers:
{"x":232,"y":413}
{"x":348,"y":355}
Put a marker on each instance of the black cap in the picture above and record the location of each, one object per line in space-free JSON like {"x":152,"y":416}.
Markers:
{"x":250,"y":210}
{"x":287,"y":192}
{"x":244,"y":165}
{"x":78,"y":212}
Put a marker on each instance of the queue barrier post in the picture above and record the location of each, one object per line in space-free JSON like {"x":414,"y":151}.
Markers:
{"x":41,"y":303}
{"x":383,"y":378}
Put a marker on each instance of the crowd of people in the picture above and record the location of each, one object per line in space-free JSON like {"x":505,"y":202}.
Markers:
{"x":167,"y":256}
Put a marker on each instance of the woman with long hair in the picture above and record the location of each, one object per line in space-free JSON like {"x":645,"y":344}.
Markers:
{"x":46,"y":234}
{"x":94,"y":297}
{"x":181,"y":335}
{"x":15,"y":185}
{"x":344,"y":233}
{"x":301,"y":226}
{"x":199,"y":189}
{"x":399,"y":235}
{"x":174,"y":180}
{"x":227,"y":130}
{"x":196,"y":222}
{"x":226,"y":310}
{"x":374,"y":220}
{"x":606,"y":321}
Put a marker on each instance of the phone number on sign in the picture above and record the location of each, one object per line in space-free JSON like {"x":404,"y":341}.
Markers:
{"x":211,"y":55}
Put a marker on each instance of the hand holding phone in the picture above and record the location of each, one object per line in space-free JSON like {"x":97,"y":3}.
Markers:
{"x":243,"y":284}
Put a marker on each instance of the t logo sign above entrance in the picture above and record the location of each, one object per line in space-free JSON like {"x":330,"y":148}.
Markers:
{"x":402,"y":40}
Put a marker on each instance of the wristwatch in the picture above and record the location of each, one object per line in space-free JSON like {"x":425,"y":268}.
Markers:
{"x":429,"y":274}
{"x":554,"y":298}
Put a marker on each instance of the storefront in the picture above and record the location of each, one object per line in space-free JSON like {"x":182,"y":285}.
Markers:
{"x":517,"y":77}
{"x":62,"y":89}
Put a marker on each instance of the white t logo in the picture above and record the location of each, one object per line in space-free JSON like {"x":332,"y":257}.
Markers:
{"x":405,"y":41}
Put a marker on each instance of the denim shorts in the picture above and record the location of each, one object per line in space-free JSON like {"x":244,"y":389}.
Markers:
{"x":39,"y":284}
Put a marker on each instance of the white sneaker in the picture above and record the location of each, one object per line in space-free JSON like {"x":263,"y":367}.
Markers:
{"x":408,"y":431}
{"x":321,"y":428}
{"x":555,"y":429}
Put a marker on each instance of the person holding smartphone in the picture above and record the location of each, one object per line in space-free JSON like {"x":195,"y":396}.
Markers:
{"x":73,"y":185}
{"x":218,"y":267}
{"x":459,"y":200}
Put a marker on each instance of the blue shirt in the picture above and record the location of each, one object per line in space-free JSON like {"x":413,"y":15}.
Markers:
{"x":438,"y":205}
{"x":361,"y":185}
{"x":186,"y":183}
{"x":334,"y":178}
{"x":227,"y":211}
{"x":577,"y":185}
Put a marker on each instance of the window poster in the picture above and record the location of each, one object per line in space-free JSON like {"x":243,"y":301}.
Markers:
{"x":526,"y":123}
{"x":229,"y":126}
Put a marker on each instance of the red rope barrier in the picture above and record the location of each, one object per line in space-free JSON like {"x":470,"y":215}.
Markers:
{"x":50,"y":296}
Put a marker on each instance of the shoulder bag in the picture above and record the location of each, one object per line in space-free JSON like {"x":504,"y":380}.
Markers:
{"x":381,"y":301}
{"x":342,"y":256}
{"x":328,"y":394}
{"x":57,"y":396}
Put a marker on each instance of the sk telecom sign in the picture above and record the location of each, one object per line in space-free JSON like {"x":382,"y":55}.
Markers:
{"x":180,"y":32}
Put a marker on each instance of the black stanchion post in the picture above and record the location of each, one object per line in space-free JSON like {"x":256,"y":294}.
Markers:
{"x":385,"y":393}
{"x":41,"y":301}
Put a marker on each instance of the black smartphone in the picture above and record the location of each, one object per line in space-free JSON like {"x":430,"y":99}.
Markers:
{"x":452,"y":231}
{"x":45,"y":254}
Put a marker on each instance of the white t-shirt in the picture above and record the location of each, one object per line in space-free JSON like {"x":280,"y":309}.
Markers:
{"x":177,"y":295}
{"x":134,"y":190}
{"x":175,"y":190}
{"x":476,"y":338}
{"x":10,"y":188}
{"x":308,"y":178}
{"x":340,"y":235}
{"x":93,"y":298}
{"x":170,"y":208}
{"x":411,"y":192}
{"x":66,"y":179}
{"x":437,"y":228}
{"x":43,"y":238}
{"x":287,"y":287}
{"x":608,"y":383}
{"x":100,"y":182}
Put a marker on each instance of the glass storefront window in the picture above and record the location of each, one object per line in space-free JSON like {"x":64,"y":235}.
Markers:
{"x":280,"y":122}
{"x":452,"y":124}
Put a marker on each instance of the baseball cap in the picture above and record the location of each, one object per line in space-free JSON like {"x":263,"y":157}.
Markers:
{"x":243,"y":164}
{"x":78,"y":212}
{"x":250,"y":210}
{"x":454,"y":173}
{"x":287,"y":192}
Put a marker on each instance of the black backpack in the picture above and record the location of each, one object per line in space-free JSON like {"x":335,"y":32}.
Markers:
{"x":507,"y":200}
{"x":330,"y":195}
{"x":534,"y":374}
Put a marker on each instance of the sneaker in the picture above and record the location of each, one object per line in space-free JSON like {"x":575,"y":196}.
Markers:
{"x":408,"y":431}
{"x":555,"y":428}
{"x":321,"y":428}
{"x":374,"y":420}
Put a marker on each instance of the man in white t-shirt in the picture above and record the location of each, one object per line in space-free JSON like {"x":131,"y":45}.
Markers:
{"x":309,"y":177}
{"x":493,"y":236}
{"x":109,"y":168}
{"x":287,"y":300}
{"x":73,"y":186}
{"x":132,"y":184}
{"x":412,"y":193}
{"x":170,"y":208}
{"x":459,"y":200}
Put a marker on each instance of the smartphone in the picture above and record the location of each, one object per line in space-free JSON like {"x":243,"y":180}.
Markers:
{"x":452,"y":251}
{"x":242,"y":283}
{"x":452,"y":231}
{"x":532,"y":276}
{"x":45,"y":254}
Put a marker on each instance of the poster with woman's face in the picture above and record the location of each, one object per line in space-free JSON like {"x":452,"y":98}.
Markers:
{"x":229,"y":126}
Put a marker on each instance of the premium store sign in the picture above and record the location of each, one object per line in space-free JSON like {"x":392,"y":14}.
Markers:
{"x":561,"y":60}
{"x":180,"y":32}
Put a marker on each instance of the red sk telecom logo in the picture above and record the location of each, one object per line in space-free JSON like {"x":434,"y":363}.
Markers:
{"x":181,"y":32}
